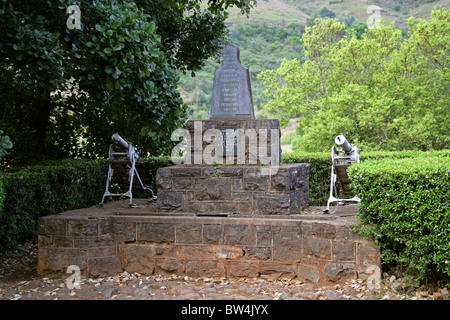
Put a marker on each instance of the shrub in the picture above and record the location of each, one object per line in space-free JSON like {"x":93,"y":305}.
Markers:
{"x":320,"y":168}
{"x":53,"y":187}
{"x":406,"y":202}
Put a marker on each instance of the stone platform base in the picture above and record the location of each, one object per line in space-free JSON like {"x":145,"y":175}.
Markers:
{"x":282,"y":190}
{"x":312,"y":247}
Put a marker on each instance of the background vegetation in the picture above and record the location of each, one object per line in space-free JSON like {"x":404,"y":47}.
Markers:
{"x":66,"y":90}
{"x":383,"y":91}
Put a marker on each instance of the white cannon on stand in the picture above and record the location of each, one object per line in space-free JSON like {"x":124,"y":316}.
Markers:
{"x":341,"y":160}
{"x":122,"y":163}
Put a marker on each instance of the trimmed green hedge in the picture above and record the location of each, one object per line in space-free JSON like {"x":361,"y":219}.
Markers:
{"x":407,"y":204}
{"x":53,"y":187}
{"x":320,"y":168}
{"x":319,"y":174}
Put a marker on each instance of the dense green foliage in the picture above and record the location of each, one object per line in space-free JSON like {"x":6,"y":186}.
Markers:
{"x":116,"y":72}
{"x":384,"y":92}
{"x":53,"y":187}
{"x":45,"y":190}
{"x":320,"y":168}
{"x":406,"y":203}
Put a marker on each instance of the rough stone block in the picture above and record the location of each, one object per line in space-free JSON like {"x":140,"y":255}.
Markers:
{"x":45,"y":240}
{"x":227,"y":252}
{"x":169,"y":266}
{"x":163,"y":178}
{"x":253,"y":180}
{"x":269,"y":203}
{"x":259,"y":253}
{"x":171,"y":201}
{"x":308,"y":273}
{"x":183,"y":183}
{"x":284,"y":179}
{"x":275,"y":270}
{"x":343,"y":250}
{"x":368,"y":254}
{"x":203,"y":207}
{"x":92,"y":242}
{"x":212,"y":268}
{"x":99,"y":252}
{"x":196,"y":252}
{"x":344,"y":232}
{"x":186,"y":171}
{"x":339,"y":271}
{"x":324,"y":230}
{"x":319,"y":248}
{"x":124,"y":232}
{"x":241,"y":196}
{"x":287,"y":246}
{"x":163,"y":250}
{"x":188,"y":233}
{"x":64,"y":242}
{"x":82,"y":227}
{"x":243,"y":269}
{"x":47,"y":225}
{"x":138,"y":258}
{"x":245,"y":208}
{"x":105,"y":226}
{"x":58,"y":259}
{"x":264,"y":238}
{"x":213,"y":233}
{"x":227,"y":207}
{"x":213,"y":189}
{"x":239,"y":235}
{"x":237,"y":183}
{"x":223,"y":172}
{"x":104,"y":266}
{"x":156,"y":232}
{"x":192,"y":269}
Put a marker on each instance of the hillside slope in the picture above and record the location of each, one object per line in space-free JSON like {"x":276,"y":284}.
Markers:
{"x":273,"y":30}
{"x":284,"y":12}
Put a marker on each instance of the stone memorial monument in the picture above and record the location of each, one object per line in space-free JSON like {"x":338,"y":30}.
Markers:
{"x":232,"y":92}
{"x":243,"y":155}
{"x":232,"y":115}
{"x":219,"y":219}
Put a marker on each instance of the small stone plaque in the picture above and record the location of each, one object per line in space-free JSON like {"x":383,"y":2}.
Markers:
{"x":232,"y":93}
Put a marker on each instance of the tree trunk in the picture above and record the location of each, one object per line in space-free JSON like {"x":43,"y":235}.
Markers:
{"x":38,"y":124}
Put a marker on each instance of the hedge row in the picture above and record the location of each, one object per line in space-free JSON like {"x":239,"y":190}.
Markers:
{"x":407,"y":204}
{"x":51,"y":188}
{"x":320,"y":168}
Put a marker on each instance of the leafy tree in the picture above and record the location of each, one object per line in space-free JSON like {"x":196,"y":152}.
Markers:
{"x":379,"y":91}
{"x":360,"y":28}
{"x":326,"y":13}
{"x":66,"y":88}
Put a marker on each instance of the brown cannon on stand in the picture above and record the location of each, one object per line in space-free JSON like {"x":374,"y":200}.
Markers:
{"x":341,"y":160}
{"x":122,"y":163}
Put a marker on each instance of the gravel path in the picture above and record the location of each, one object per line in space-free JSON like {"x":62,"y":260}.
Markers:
{"x":20,"y":281}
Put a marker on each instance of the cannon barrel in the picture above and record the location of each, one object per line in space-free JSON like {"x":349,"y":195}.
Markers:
{"x":119,"y":141}
{"x":341,"y":141}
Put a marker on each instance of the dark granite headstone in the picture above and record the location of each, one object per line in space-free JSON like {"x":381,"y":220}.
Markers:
{"x":232,"y":93}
